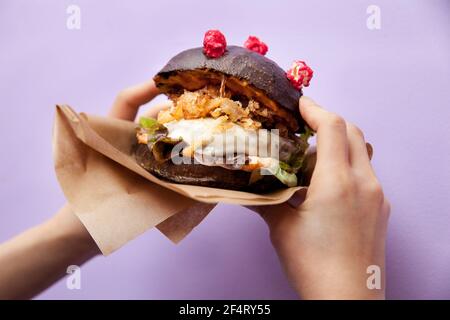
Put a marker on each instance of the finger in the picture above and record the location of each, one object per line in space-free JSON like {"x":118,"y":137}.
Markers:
{"x":386,"y":208}
{"x":129,"y":100}
{"x":332,"y":143}
{"x":309,"y":163}
{"x":153,"y":111}
{"x":358,"y":152}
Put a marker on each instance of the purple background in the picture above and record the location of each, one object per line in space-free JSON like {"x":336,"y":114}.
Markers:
{"x":393,"y":82}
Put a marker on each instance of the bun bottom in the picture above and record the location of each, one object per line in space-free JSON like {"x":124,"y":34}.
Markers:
{"x":201,"y":175}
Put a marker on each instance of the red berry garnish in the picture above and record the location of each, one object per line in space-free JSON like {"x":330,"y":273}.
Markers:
{"x":300,"y":74}
{"x":254,"y":44}
{"x":214,"y":44}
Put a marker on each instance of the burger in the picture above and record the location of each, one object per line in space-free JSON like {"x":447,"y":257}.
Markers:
{"x":230,"y":106}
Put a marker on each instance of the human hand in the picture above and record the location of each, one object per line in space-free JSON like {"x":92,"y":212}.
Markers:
{"x":326,"y":244}
{"x":46,"y":250}
{"x":125,"y":107}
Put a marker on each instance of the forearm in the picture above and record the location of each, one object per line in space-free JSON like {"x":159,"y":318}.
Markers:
{"x":332,"y":283}
{"x":336,"y":276}
{"x":37,"y":258}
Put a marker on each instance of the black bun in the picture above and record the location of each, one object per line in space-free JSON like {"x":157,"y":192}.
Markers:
{"x":200,"y":175}
{"x":261,"y":72}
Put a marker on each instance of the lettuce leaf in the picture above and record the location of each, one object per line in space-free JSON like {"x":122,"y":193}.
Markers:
{"x":148,"y":123}
{"x":281,"y":173}
{"x":293,"y":151}
{"x":153,"y":128}
{"x":285,"y":166}
{"x":289,"y":179}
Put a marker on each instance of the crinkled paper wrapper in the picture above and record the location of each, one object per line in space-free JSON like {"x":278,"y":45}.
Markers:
{"x":115,"y":198}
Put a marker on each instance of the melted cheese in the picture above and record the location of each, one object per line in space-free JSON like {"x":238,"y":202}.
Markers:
{"x":221,"y":137}
{"x":218,"y":137}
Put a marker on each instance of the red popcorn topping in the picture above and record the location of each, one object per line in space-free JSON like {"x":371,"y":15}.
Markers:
{"x":253,"y":43}
{"x":300,"y":74}
{"x":214,"y":44}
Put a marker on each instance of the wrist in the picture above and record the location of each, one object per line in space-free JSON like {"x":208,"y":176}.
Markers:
{"x":67,"y":229}
{"x":343,"y":280}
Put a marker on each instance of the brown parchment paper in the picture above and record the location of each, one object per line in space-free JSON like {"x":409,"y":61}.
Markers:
{"x":115,"y":198}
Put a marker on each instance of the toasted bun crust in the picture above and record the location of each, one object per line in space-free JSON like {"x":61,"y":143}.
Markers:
{"x":207,"y":176}
{"x":247,"y":72}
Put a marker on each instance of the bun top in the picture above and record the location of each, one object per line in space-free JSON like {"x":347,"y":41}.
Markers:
{"x":247,"y":72}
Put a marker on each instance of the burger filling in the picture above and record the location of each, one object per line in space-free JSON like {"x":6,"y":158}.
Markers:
{"x":215,"y":128}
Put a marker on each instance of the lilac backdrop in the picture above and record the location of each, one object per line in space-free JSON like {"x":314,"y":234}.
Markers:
{"x":392,"y":82}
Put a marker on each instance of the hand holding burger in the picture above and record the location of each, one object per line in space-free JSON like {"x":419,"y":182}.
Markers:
{"x":329,"y":244}
{"x":325,"y":245}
